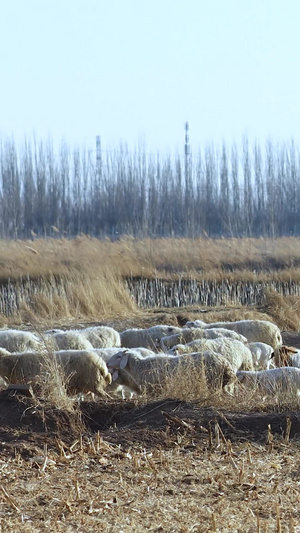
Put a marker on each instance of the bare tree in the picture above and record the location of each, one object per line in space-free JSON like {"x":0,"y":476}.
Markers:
{"x":224,"y":194}
{"x":248,"y":198}
{"x":236,"y":224}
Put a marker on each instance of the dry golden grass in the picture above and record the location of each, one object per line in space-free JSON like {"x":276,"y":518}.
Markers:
{"x":191,"y":381}
{"x":82,"y":278}
{"x":75,"y":296}
{"x":151,"y":257}
{"x":52,"y":385}
{"x":191,"y":385}
{"x":285,"y":311}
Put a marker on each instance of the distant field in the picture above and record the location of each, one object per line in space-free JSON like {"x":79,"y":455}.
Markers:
{"x":202,"y":258}
{"x":84,"y":278}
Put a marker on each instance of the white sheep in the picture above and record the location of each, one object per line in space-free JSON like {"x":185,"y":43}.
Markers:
{"x":272,"y":381}
{"x":286,"y":356}
{"x":152,"y":371}
{"x":106,"y":353}
{"x":67,"y":340}
{"x":117,"y":386}
{"x":96,"y":337}
{"x":261,"y":355}
{"x":15,"y":340}
{"x":236,"y":352}
{"x":195,"y":324}
{"x":190,"y":334}
{"x":83,"y":370}
{"x":180,"y":349}
{"x":146,"y":337}
{"x":102,"y":336}
{"x":253,"y":330}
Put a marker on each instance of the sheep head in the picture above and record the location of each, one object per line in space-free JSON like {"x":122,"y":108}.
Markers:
{"x":118,"y":361}
{"x":282,"y":355}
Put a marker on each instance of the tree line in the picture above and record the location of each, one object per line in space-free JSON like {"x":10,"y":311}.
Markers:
{"x":237,"y":190}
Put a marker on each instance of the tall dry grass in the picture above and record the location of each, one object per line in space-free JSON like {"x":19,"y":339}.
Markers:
{"x":211,"y":258}
{"x":83,"y":278}
{"x":78,"y":296}
{"x":190,"y":384}
{"x":52,"y":385}
{"x":284,"y":310}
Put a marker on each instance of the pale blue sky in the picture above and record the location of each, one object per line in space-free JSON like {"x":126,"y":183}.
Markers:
{"x":136,"y":70}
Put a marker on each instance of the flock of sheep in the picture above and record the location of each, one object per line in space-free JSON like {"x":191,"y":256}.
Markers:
{"x":101,"y":360}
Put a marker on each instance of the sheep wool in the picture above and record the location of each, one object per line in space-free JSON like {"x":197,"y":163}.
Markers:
{"x":151,"y":371}
{"x":236,"y":352}
{"x":15,"y":340}
{"x":188,"y":335}
{"x":261,"y":355}
{"x":102,"y":336}
{"x":83,"y":370}
{"x":272,"y":381}
{"x":146,"y":338}
{"x":253,"y":330}
{"x":67,"y":340}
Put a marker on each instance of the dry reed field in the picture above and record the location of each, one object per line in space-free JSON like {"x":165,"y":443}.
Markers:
{"x":181,"y":460}
{"x":83,"y":278}
{"x":149,"y":257}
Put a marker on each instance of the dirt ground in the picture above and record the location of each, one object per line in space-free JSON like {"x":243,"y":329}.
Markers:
{"x":27,"y":425}
{"x":167,"y":466}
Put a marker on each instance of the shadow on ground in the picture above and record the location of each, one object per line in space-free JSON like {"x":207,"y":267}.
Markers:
{"x":26,"y":425}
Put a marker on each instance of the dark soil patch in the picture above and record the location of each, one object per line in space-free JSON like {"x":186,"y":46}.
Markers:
{"x":128,"y":422}
{"x":27,"y":425}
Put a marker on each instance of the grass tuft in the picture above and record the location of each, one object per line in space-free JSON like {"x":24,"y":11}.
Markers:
{"x":53,"y":384}
{"x":284,"y":310}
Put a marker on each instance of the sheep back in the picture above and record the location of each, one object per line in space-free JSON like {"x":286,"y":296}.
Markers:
{"x":68,"y":340}
{"x":147,"y":337}
{"x":15,"y":340}
{"x":102,"y":336}
{"x":153,"y":371}
{"x":236,"y":352}
{"x":253,"y":330}
{"x":188,"y":335}
{"x":85,"y":371}
{"x":272,"y":381}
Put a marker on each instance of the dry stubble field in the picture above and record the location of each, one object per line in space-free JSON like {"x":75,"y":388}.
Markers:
{"x":180,"y":462}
